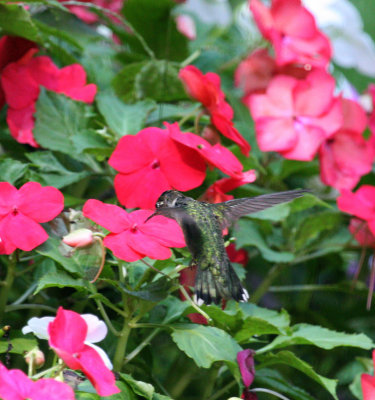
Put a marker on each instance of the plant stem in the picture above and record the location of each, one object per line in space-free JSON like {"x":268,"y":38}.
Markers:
{"x":7,"y":284}
{"x":276,"y":394}
{"x":222,"y":391}
{"x":121,"y":346}
{"x":264,"y":286}
{"x":146,"y":342}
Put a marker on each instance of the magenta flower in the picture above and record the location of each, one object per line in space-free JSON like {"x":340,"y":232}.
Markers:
{"x":131,"y":238}
{"x":206,"y":89}
{"x":67,"y":335}
{"x":15,"y":385}
{"x":150,"y":163}
{"x":21,"y":81}
{"x":368,"y":384}
{"x":346,"y":155}
{"x":294,"y":117}
{"x":292,"y":30}
{"x":360,"y":204}
{"x":361,"y":232}
{"x":21,"y":212}
{"x":245,"y":359}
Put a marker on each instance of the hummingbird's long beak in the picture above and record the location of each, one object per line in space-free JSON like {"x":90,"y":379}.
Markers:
{"x":152,"y":215}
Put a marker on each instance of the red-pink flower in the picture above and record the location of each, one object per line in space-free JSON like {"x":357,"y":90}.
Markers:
{"x":152,"y":162}
{"x":21,"y":81}
{"x":371,"y":122}
{"x":245,"y":360}
{"x":12,"y":48}
{"x":90,"y":17}
{"x":131,"y":238}
{"x":15,"y":385}
{"x":206,"y":89}
{"x":237,"y":256}
{"x":216,"y":193}
{"x":292,"y":30}
{"x":360,"y":204}
{"x":294,"y":117}
{"x":67,"y":334}
{"x":346,"y":155}
{"x":361,"y":232}
{"x":21,"y":212}
{"x":368,"y":384}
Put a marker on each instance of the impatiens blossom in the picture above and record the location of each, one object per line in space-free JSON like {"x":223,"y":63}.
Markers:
{"x":371,"y":122}
{"x":15,"y":385}
{"x":96,"y":332}
{"x":131,"y":238}
{"x":292,"y":30}
{"x":294,"y":117}
{"x":91,"y":17}
{"x":368,"y":384}
{"x":237,"y":256}
{"x":206,"y":89}
{"x":346,"y":155}
{"x":216,"y":193}
{"x":360,"y":204}
{"x":67,"y":335}
{"x":245,"y":360}
{"x":186,"y":25}
{"x":21,"y":212}
{"x":21,"y":82}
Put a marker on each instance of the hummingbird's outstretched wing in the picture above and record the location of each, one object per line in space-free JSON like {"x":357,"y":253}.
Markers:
{"x":229,"y":211}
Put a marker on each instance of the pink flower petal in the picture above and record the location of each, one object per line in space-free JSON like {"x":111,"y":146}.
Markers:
{"x":8,"y":198}
{"x":22,"y":232}
{"x":50,"y":389}
{"x":109,"y":216}
{"x":245,"y":359}
{"x":40,"y":203}
{"x":118,"y":244}
{"x":361,"y":204}
{"x":148,"y":246}
{"x":21,"y":124}
{"x":354,"y":116}
{"x":44,"y":72}
{"x":368,"y":386}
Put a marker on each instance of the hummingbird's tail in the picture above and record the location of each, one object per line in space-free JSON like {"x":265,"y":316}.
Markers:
{"x":212,"y":285}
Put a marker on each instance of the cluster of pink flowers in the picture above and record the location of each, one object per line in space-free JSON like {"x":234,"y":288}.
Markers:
{"x":297,"y":114}
{"x":22,"y":75}
{"x":291,"y":97}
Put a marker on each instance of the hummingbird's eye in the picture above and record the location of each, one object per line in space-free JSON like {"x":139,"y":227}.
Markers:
{"x":159,"y":204}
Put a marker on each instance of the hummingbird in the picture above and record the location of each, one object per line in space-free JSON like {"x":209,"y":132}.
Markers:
{"x":202,"y":224}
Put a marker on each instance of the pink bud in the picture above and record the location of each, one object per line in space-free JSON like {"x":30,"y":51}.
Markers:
{"x":79,"y":238}
{"x":36,"y":357}
{"x":186,"y":25}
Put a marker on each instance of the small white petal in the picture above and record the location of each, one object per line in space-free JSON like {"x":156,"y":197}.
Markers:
{"x":198,"y":301}
{"x":97,"y":329}
{"x":38,"y":326}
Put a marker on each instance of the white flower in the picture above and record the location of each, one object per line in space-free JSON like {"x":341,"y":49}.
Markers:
{"x":342,"y":23}
{"x":97,"y":331}
{"x":212,"y":12}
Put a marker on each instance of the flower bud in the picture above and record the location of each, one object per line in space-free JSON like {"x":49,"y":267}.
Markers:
{"x":35,"y":356}
{"x":79,"y":238}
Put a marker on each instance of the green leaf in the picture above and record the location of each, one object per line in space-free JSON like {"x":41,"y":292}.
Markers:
{"x":320,"y":337}
{"x":288,"y":358}
{"x":313,"y":225}
{"x":205,"y":344}
{"x":261,"y":321}
{"x":12,"y":170}
{"x":247,"y":234}
{"x":276,"y":213}
{"x":61,"y":125}
{"x":51,"y":171}
{"x":140,"y":388}
{"x":154,"y":22}
{"x":51,"y":249}
{"x":16,"y":21}
{"x":154,"y":291}
{"x":123,"y":119}
{"x":17,"y":343}
{"x":158,"y":80}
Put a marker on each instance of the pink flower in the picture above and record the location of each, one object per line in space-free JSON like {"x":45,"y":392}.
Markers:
{"x":292,"y":30}
{"x":368,"y":384}
{"x":245,"y":359}
{"x":90,"y":17}
{"x":21,"y":81}
{"x":150,"y":163}
{"x":361,"y":232}
{"x":67,"y":333}
{"x":238,"y":256}
{"x":371,"y":122}
{"x":206,"y":89}
{"x":12,"y":48}
{"x":131,"y":238}
{"x":216,"y":193}
{"x":294,"y":117}
{"x":360,"y":204}
{"x":15,"y":385}
{"x":79,"y":238}
{"x":22,"y":210}
{"x":346,"y":155}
